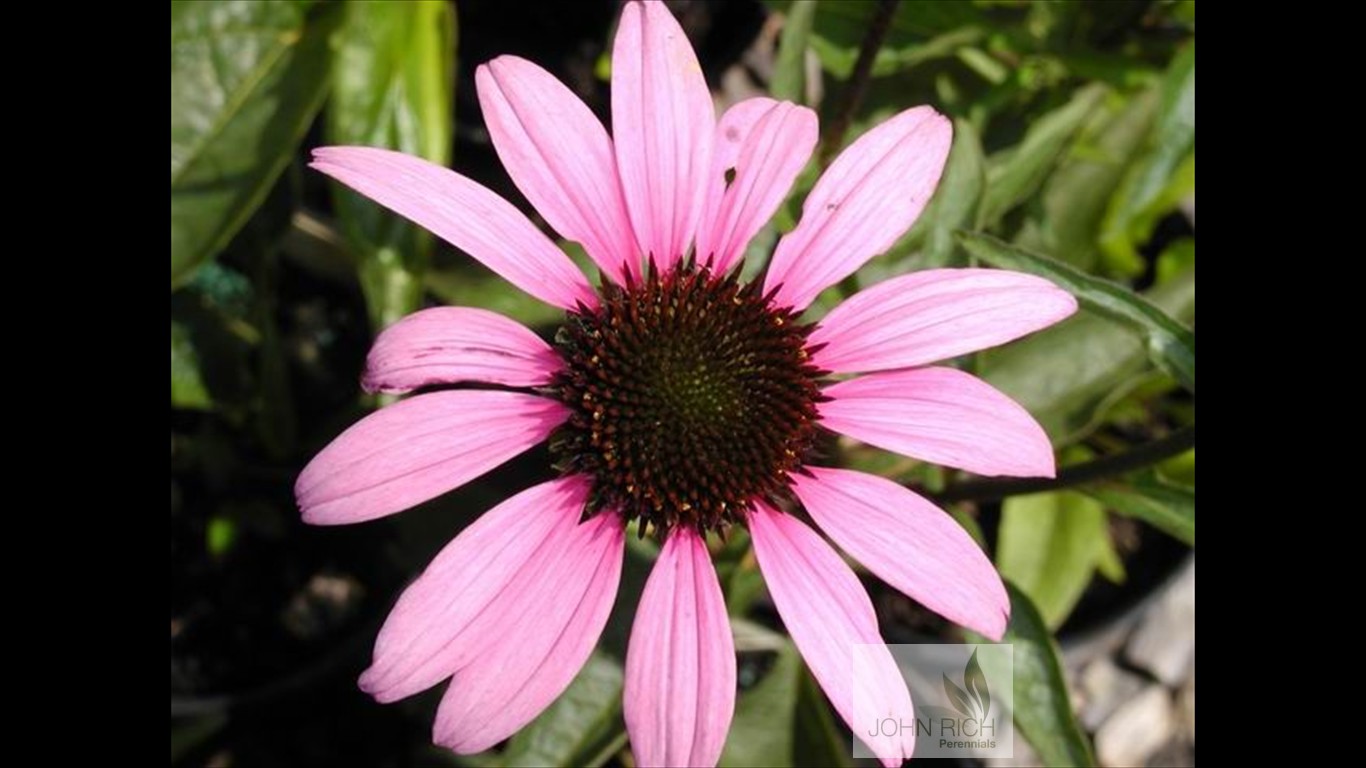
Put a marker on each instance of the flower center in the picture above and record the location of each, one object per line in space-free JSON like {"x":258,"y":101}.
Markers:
{"x":692,"y":398}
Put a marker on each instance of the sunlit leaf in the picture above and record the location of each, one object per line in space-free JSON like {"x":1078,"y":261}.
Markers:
{"x":393,"y":87}
{"x":1069,"y":376}
{"x":1075,"y":197}
{"x":957,"y":199}
{"x":1166,"y":172}
{"x":1170,"y":344}
{"x":1043,"y":707}
{"x":789,"y":70}
{"x":1049,"y":546}
{"x":1015,"y":177}
{"x":246,"y":80}
{"x":1169,"y":508}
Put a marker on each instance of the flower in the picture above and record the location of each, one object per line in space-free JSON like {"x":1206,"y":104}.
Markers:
{"x":675,"y":395}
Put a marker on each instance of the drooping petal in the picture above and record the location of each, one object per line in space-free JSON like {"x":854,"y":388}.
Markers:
{"x":828,"y":614}
{"x":909,"y":543}
{"x":445,"y":345}
{"x":943,"y":416}
{"x":432,"y":631}
{"x":680,"y":664}
{"x":935,"y":315}
{"x":559,"y":155}
{"x":662,"y":124}
{"x":865,"y":200}
{"x":765,"y":154}
{"x":418,"y":449}
{"x":464,"y":214}
{"x":536,"y":640}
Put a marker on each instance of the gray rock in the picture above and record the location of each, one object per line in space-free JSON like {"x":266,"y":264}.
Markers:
{"x":1185,"y":708}
{"x":1102,"y":688}
{"x":1175,"y":753}
{"x":1138,"y":729}
{"x":1164,"y":642}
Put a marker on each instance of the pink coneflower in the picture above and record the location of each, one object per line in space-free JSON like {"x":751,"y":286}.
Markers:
{"x":677,"y":396}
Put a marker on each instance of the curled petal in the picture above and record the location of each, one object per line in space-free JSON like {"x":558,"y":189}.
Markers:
{"x":446,"y":345}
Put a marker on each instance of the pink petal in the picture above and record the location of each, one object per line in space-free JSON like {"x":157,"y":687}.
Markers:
{"x":418,"y":449}
{"x":766,"y":153}
{"x":935,"y":315}
{"x":536,"y":639}
{"x":445,"y":345}
{"x":909,"y":543}
{"x":432,"y":631}
{"x":680,"y":664}
{"x":464,"y":214}
{"x":865,"y":200}
{"x":560,"y":156}
{"x":943,"y":416}
{"x":662,"y":121}
{"x":828,"y":614}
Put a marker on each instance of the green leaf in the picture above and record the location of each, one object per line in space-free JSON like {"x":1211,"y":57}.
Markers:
{"x":920,"y":31}
{"x":582,"y":727}
{"x":818,"y":742}
{"x":190,"y":735}
{"x":783,"y":719}
{"x":1043,"y":709}
{"x":1049,"y":546}
{"x":1075,"y":197}
{"x":955,"y":203}
{"x":1016,"y":176}
{"x":1108,"y":562}
{"x":752,"y":636}
{"x":1178,"y":470}
{"x":1169,"y":508}
{"x":246,"y":80}
{"x":393,"y":85}
{"x":1069,"y":376}
{"x":213,"y":340}
{"x":1176,"y":259}
{"x":789,"y":70}
{"x":761,"y":732}
{"x":1166,"y":172}
{"x":1170,"y":345}
{"x":187,"y":384}
{"x":739,"y":573}
{"x":466,"y":283}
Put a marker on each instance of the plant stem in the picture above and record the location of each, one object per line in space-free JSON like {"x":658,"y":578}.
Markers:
{"x":1174,"y":444}
{"x":873,"y":37}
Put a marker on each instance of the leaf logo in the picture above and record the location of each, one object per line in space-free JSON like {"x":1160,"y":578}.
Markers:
{"x":975,"y":701}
